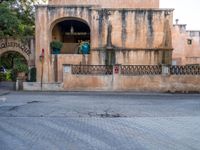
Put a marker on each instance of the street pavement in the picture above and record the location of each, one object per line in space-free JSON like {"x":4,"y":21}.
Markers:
{"x":3,"y":92}
{"x":99,"y":121}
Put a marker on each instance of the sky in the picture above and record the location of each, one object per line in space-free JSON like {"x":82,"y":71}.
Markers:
{"x":187,"y":11}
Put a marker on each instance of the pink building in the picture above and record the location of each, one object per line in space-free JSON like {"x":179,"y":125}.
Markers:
{"x":186,"y":45}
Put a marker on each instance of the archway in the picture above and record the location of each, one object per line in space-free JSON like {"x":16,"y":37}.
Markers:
{"x":7,"y":59}
{"x":71,"y":32}
{"x":7,"y":62}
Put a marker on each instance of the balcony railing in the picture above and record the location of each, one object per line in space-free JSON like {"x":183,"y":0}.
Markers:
{"x":135,"y":70}
{"x":141,"y":70}
{"x":92,"y":70}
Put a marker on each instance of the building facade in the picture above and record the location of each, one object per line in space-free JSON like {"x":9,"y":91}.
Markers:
{"x":186,"y":44}
{"x":127,"y":32}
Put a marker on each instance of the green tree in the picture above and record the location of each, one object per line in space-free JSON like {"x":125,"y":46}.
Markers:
{"x":9,"y":22}
{"x":7,"y":59}
{"x":17,"y":17}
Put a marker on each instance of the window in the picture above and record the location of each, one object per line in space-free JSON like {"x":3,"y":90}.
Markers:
{"x":189,"y":41}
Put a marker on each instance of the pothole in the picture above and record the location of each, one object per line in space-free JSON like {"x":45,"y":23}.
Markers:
{"x":33,"y":102}
{"x":106,"y":115}
{"x":13,"y":108}
{"x":117,"y":115}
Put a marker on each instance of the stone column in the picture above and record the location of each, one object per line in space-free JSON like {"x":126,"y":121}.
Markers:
{"x":42,"y":42}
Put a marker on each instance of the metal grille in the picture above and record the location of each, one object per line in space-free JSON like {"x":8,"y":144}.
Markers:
{"x":141,"y":70}
{"x":185,"y":70}
{"x":134,"y":70}
{"x":92,"y":69}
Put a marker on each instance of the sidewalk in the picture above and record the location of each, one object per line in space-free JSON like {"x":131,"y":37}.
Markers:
{"x":4,"y":92}
{"x":6,"y":87}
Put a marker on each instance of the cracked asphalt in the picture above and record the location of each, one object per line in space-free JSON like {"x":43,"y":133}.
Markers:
{"x":99,"y":121}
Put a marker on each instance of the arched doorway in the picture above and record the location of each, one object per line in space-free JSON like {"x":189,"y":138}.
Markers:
{"x":7,"y":59}
{"x":71,"y":32}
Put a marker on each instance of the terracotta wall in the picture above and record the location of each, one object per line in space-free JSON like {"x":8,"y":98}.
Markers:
{"x":160,"y":83}
{"x":139,"y":57}
{"x":193,"y":50}
{"x":185,"y":53}
{"x":132,"y":29}
{"x":87,"y":83}
{"x":110,"y":3}
{"x":43,"y":42}
{"x":181,"y":84}
{"x":67,"y":59}
{"x":116,"y":82}
{"x":119,"y":82}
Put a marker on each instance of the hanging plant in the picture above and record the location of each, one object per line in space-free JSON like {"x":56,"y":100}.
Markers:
{"x":56,"y":46}
{"x":19,"y":66}
{"x":84,"y":47}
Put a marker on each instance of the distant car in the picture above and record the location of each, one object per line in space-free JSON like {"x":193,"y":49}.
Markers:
{"x":2,"y":69}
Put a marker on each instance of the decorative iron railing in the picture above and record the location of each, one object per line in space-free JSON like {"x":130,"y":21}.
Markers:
{"x":141,"y":70}
{"x":185,"y":70}
{"x":92,"y":69}
{"x":135,"y":70}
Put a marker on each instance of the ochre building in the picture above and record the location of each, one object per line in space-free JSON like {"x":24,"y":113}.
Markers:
{"x":127,"y":32}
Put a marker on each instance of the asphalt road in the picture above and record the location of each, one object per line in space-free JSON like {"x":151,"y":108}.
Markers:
{"x":99,"y":121}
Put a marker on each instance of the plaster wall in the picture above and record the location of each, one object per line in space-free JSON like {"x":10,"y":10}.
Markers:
{"x":78,"y":82}
{"x":117,"y":82}
{"x":42,"y":42}
{"x":179,"y":44}
{"x":185,"y":53}
{"x":110,"y":3}
{"x":154,"y":83}
{"x":193,"y":50}
{"x":132,"y":29}
{"x":170,"y":83}
{"x":73,"y":59}
{"x":139,"y":57}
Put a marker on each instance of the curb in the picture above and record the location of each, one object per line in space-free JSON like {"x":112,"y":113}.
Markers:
{"x":2,"y":93}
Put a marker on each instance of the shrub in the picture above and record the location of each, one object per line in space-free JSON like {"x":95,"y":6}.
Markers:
{"x":21,"y":68}
{"x":56,"y":44}
{"x":2,"y":76}
{"x":8,"y":76}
